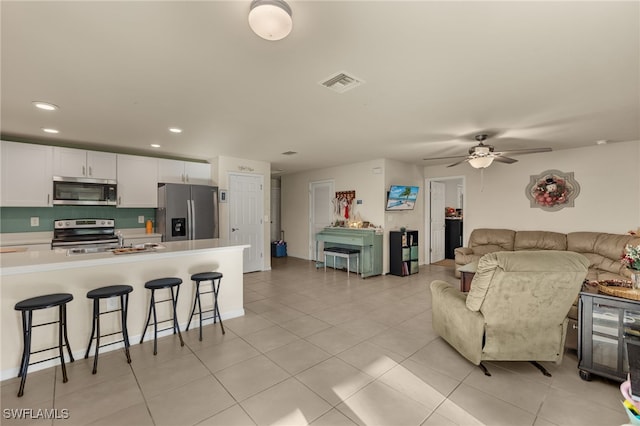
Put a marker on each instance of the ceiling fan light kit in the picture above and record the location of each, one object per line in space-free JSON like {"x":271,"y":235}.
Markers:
{"x":270,"y":19}
{"x":481,"y":156}
{"x":481,"y":162}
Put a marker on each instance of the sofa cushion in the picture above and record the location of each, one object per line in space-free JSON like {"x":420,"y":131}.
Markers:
{"x":604,"y":252}
{"x":483,"y":241}
{"x":540,"y":240}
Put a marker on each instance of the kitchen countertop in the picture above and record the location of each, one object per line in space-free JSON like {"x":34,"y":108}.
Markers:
{"x":50,"y":260}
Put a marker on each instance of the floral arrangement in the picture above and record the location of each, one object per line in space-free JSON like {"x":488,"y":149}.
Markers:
{"x":631,"y":256}
{"x":550,"y":191}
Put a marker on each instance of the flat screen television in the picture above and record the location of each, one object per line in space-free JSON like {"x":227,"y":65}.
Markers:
{"x":402,"y":197}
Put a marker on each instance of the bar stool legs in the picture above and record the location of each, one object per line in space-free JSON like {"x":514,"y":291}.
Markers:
{"x":153,"y":285}
{"x":121,"y":291}
{"x":26,"y":308}
{"x":198,"y":278}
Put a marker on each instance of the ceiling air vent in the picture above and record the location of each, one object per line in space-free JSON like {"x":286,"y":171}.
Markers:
{"x":341,"y":82}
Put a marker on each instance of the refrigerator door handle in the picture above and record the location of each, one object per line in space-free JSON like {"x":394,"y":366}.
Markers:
{"x":189,"y":220}
{"x":193,"y":220}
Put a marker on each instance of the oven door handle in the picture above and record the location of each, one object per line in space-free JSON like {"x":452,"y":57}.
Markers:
{"x":82,"y":243}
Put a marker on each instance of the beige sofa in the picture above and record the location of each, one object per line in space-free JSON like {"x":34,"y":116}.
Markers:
{"x":603,"y":250}
{"x":516,"y":309}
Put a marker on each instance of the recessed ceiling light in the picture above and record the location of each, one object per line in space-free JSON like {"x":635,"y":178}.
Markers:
{"x":45,"y":106}
{"x":155,"y":145}
{"x":175,"y":130}
{"x":47,"y":130}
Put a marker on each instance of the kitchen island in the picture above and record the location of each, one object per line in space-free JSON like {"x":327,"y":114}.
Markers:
{"x":34,"y":273}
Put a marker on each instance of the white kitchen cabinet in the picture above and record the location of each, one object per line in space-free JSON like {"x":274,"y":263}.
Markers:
{"x":137,"y":181}
{"x":80,"y":163}
{"x":176,"y":171}
{"x":26,"y":177}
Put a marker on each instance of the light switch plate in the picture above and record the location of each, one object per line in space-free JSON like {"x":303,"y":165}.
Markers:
{"x":140,"y":219}
{"x":35,"y":221}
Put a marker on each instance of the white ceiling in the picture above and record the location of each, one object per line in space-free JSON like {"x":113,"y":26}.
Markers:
{"x":535,"y":74}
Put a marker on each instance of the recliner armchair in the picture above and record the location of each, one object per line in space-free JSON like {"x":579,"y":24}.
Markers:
{"x":516,"y":309}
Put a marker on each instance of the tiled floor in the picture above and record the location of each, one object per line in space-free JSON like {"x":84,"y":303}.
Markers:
{"x":320,"y":349}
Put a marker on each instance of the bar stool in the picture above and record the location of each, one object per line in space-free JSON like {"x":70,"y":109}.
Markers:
{"x":159,"y":284}
{"x":198,"y":278}
{"x":26,"y":308}
{"x":105,"y":293}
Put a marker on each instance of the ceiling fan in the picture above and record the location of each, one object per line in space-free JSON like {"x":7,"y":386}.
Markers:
{"x":481,"y":156}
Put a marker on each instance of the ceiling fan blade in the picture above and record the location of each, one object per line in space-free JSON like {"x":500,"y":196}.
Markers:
{"x":526,"y":151}
{"x":446,"y":158}
{"x":506,"y":160}
{"x":458,"y":162}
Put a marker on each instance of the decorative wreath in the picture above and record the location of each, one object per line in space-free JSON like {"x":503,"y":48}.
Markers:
{"x":552,"y":190}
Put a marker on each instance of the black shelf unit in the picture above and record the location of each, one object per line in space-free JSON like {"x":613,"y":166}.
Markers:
{"x":403,"y":253}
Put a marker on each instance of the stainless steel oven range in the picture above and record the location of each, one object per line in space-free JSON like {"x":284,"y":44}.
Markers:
{"x":85,"y":235}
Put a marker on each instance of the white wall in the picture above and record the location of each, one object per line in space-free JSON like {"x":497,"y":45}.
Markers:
{"x":370,"y":180}
{"x":365,"y":178}
{"x":451,"y":192}
{"x":609,"y":199}
{"x":220,"y":169}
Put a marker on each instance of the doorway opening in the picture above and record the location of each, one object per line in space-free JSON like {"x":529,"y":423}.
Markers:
{"x":444,"y":217}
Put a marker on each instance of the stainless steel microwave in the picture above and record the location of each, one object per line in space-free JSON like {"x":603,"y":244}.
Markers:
{"x":83,"y":191}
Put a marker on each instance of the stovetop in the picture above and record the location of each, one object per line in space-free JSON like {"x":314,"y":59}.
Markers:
{"x":84,"y":232}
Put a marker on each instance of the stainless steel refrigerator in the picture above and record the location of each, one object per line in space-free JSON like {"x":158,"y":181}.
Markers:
{"x":187,"y":212}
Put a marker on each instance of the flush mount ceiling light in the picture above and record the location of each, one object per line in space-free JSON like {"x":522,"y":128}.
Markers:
{"x":175,"y":130}
{"x":270,"y":19}
{"x":45,"y":106}
{"x":155,"y":145}
{"x":48,"y":130}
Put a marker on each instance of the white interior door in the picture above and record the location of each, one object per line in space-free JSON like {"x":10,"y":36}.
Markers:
{"x":320,"y":211}
{"x":437,"y":221}
{"x":246,"y":212}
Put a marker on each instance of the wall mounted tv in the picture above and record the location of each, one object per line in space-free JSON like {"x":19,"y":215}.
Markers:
{"x":402,"y":197}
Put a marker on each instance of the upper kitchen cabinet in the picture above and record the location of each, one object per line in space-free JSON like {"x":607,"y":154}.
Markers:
{"x":176,"y":171}
{"x":137,"y":181}
{"x":69,"y":162}
{"x":26,"y":178}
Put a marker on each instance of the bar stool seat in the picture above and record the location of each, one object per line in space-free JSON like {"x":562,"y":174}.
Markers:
{"x":26,"y":308}
{"x":107,"y":292}
{"x":170,"y":283}
{"x":198,"y":278}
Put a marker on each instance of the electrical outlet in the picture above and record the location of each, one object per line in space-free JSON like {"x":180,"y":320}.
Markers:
{"x":35,"y":221}
{"x":140,"y":219}
{"x":112,"y":303}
